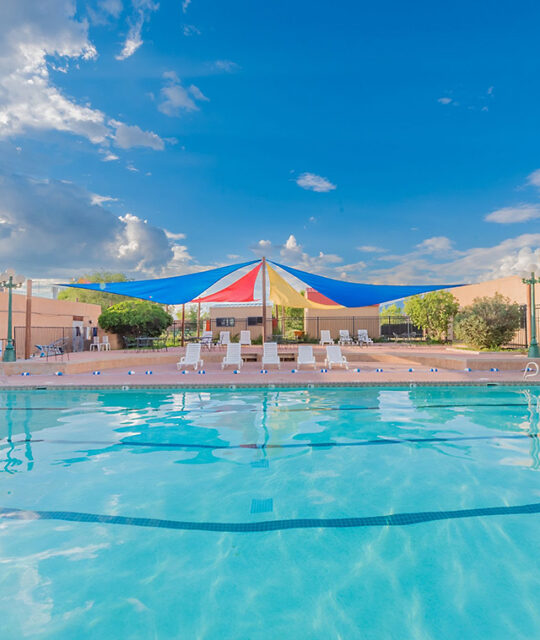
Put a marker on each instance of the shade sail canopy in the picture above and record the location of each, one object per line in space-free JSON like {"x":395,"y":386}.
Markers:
{"x":352,"y":294}
{"x":175,"y":290}
{"x":281,"y":292}
{"x":239,"y":291}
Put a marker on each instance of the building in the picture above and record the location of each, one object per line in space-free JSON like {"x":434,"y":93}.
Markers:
{"x":350,"y":318}
{"x":239,"y":316}
{"x":51,"y":320}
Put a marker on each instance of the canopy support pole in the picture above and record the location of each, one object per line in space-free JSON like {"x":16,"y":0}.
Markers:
{"x":199,"y":321}
{"x":183,"y":324}
{"x":263,"y":268}
{"x":28,"y":328}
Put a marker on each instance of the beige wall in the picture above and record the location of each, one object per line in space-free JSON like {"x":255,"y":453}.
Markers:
{"x":240,"y":314}
{"x":351,"y":318}
{"x":510,"y":287}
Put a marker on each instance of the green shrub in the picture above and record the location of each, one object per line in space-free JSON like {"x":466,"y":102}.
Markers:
{"x":432,"y":312}
{"x":488,"y":323}
{"x":135,"y":318}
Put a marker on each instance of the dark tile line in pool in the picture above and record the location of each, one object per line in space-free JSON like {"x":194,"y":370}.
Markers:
{"x":262,"y":446}
{"x":392,"y":520}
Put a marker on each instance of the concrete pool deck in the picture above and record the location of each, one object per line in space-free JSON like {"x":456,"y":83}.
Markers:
{"x":395,"y":361}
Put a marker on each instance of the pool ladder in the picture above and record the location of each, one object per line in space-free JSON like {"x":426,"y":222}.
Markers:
{"x":531,"y":370}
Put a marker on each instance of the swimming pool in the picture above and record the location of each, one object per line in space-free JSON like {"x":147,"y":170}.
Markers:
{"x":253,"y":514}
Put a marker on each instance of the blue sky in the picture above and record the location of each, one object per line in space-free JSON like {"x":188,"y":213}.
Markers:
{"x":380,"y":142}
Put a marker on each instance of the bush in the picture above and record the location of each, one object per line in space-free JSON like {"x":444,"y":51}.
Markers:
{"x":488,"y":323}
{"x":135,"y":318}
{"x":432,"y":312}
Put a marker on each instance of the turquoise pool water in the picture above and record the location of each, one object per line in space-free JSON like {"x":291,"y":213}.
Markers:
{"x":367,"y":513}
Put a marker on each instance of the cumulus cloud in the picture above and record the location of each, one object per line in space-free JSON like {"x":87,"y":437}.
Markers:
{"x":142,"y":11}
{"x":185,"y":5}
{"x":31,"y":35}
{"x":437,"y":244}
{"x":190,"y":30}
{"x":521,"y":263}
{"x":519,"y":213}
{"x":368,"y":248}
{"x":177,"y":98}
{"x":226,"y":65}
{"x":313,"y":182}
{"x":53,"y":228}
{"x":444,"y":100}
{"x":127,"y":136}
{"x":534,"y":178}
{"x":292,"y":253}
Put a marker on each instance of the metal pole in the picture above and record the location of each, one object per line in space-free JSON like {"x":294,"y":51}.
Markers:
{"x":28,"y":328}
{"x":264,"y":298}
{"x":199,"y":321}
{"x":9,"y":351}
{"x":183,"y":324}
{"x":534,"y":351}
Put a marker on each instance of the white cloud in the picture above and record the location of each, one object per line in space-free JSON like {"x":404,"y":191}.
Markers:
{"x":185,"y":5}
{"x":437,"y":244}
{"x":226,"y":65}
{"x":519,"y":213}
{"x":190,"y":30}
{"x":368,"y":248}
{"x":313,"y":182}
{"x":112,"y":7}
{"x":142,"y":11}
{"x":444,"y":100}
{"x":127,"y":136}
{"x":109,"y":157}
{"x":95,"y":198}
{"x":177,"y":98}
{"x":534,"y":178}
{"x":293,"y":254}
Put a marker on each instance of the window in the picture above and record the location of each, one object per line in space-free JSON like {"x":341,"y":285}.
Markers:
{"x":253,"y":320}
{"x":224,"y":322}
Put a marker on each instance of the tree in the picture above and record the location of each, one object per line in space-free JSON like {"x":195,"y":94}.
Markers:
{"x":391,"y":311}
{"x":95,"y":297}
{"x":488,"y":323}
{"x":432,"y":312}
{"x":135,"y":318}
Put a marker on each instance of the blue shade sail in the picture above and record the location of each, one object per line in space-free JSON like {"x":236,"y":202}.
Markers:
{"x":175,"y":290}
{"x":353,"y":294}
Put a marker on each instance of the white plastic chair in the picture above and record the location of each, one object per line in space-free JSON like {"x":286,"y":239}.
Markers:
{"x":245,"y":337}
{"x":233,"y":356}
{"x":95,"y":344}
{"x":192,"y":357}
{"x":270,"y":354}
{"x":334,"y":356}
{"x":305,"y":356}
{"x":344,"y":337}
{"x":224,"y":337}
{"x":105,"y":344}
{"x":206,"y":339}
{"x":325,"y":337}
{"x":363,"y":337}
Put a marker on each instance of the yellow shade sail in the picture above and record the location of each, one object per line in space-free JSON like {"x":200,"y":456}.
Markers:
{"x":281,"y":292}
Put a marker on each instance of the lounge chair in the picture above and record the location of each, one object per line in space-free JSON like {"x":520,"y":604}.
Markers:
{"x":305,"y":356}
{"x":344,"y":337}
{"x":270,"y":354}
{"x":56,"y":348}
{"x":224,"y":337}
{"x":192,"y":358}
{"x":245,"y":337}
{"x":363,"y":337}
{"x":233,"y":356}
{"x":334,"y":356}
{"x":325,"y":337}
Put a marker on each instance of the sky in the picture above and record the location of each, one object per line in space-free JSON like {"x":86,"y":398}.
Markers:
{"x":392,"y":142}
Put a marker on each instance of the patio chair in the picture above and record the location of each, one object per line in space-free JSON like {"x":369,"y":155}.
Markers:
{"x":206,"y":339}
{"x":325,"y":337}
{"x":245,"y":337}
{"x":233,"y":356}
{"x":95,"y":345}
{"x":270,"y":354}
{"x":192,"y":358}
{"x":104,"y":344}
{"x":56,"y":348}
{"x":344,"y":337}
{"x":334,"y":356}
{"x":363,"y":337}
{"x":224,"y":338}
{"x":305,"y":356}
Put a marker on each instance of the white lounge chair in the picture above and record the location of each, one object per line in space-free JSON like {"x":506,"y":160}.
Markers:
{"x":206,"y":339}
{"x":245,"y":337}
{"x":325,"y":337}
{"x":192,"y":358}
{"x":344,"y":337}
{"x":363,"y":337}
{"x":305,"y":356}
{"x":233,"y":356}
{"x":224,"y":337}
{"x":334,"y":356}
{"x":270,"y":354}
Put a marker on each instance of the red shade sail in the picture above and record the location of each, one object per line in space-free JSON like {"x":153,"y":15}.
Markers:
{"x":239,"y":291}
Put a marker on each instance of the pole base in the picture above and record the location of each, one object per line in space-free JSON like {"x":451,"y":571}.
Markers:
{"x":534,"y":351}
{"x":9,"y":354}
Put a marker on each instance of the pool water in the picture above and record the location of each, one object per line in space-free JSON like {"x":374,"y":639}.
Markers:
{"x":334,"y":513}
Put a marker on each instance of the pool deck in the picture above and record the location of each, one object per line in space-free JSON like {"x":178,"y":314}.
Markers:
{"x":395,"y":360}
